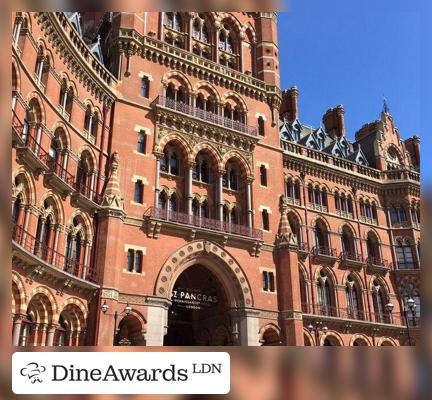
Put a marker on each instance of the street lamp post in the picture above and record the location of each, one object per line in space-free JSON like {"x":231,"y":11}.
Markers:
{"x":409,"y":305}
{"x":127,"y":310}
{"x":319,"y":327}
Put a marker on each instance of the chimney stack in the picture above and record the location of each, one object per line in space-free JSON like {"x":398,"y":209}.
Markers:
{"x":334,"y":121}
{"x":289,"y":107}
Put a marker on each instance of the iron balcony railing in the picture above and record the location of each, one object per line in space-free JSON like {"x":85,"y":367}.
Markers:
{"x":88,"y":192}
{"x":354,"y":314}
{"x":207,"y":116}
{"x":207,"y":223}
{"x":61,"y":172}
{"x":51,"y":256}
{"x":35,"y":147}
{"x":324,"y":251}
{"x":378,"y":261}
{"x":351,"y":256}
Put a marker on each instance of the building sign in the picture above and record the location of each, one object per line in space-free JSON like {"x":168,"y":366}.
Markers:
{"x":193,"y":298}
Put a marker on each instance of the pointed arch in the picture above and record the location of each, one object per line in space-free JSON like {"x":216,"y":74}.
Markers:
{"x":238,"y":100}
{"x":83,"y":218}
{"x":183,"y":145}
{"x":36,"y":110}
{"x":177,"y":78}
{"x":209,"y":88}
{"x":19,"y":294}
{"x":221,"y":263}
{"x":50,"y":306}
{"x":233,"y":154}
{"x":24,"y":183}
{"x":211,"y":150}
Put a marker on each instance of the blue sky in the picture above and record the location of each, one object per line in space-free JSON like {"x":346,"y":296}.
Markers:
{"x":353,"y":53}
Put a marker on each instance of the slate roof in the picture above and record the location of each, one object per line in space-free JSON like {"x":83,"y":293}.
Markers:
{"x":318,"y":139}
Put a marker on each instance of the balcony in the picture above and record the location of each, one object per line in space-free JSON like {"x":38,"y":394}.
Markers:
{"x":368,"y":220}
{"x":59,"y":178}
{"x":85,"y":197}
{"x":318,"y":207}
{"x":303,"y":249}
{"x":17,"y":130}
{"x":205,"y":224}
{"x":197,"y":113}
{"x":293,"y":201}
{"x":352,"y":314}
{"x":377,"y":265}
{"x":324,"y":254}
{"x":57,"y":262}
{"x":344,"y":214}
{"x":402,"y":224}
{"x":33,"y":155}
{"x":351,"y":259}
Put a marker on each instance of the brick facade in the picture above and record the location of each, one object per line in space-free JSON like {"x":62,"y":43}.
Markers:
{"x":154,"y":150}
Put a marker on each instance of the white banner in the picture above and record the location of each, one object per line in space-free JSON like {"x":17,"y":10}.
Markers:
{"x":120,"y":373}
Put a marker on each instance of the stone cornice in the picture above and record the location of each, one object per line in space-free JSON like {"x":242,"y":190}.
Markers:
{"x":332,"y":173}
{"x":132,"y":42}
{"x":77,"y":56}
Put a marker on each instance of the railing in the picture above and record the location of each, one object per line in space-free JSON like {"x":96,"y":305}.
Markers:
{"x":49,"y":255}
{"x":324,"y":251}
{"x":402,"y":224}
{"x":368,"y":220}
{"x":303,"y":247}
{"x":205,"y":115}
{"x":354,"y":314}
{"x":36,"y":148}
{"x":88,"y":192}
{"x":61,"y":172}
{"x":16,"y":123}
{"x":351,"y":256}
{"x":318,"y":207}
{"x":345,"y":214}
{"x":378,"y":261}
{"x":207,"y":223}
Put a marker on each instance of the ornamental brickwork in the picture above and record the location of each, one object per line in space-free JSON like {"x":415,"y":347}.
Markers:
{"x":156,"y":152}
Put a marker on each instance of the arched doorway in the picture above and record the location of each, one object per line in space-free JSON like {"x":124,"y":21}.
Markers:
{"x":200,"y":310}
{"x":204,"y":268}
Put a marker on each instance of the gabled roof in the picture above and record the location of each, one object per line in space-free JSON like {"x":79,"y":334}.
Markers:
{"x":74,"y":19}
{"x":317,"y":138}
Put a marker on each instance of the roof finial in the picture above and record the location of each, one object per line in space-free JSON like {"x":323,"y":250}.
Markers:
{"x":386,"y":108}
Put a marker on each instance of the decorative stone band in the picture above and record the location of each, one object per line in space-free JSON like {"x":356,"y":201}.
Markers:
{"x":291,"y":314}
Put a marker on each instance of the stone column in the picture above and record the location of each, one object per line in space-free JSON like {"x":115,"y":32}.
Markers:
{"x":157,"y":320}
{"x":249,"y":203}
{"x":14,"y":100}
{"x":219,"y":196}
{"x":55,"y":246}
{"x":189,"y":189}
{"x":86,"y":258}
{"x":16,"y":332}
{"x":157,"y":185}
{"x":245,"y":321}
{"x":287,"y":274}
{"x":17,"y":32}
{"x":50,"y":335}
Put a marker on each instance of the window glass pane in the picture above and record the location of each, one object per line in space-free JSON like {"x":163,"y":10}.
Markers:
{"x":130,"y":260}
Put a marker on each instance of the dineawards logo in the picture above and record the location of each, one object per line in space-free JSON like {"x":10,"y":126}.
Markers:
{"x":33,"y":371}
{"x":121,"y":373}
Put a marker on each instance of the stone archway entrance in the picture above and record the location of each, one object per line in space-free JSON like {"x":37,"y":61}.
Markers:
{"x":224,"y":317}
{"x":200,"y":313}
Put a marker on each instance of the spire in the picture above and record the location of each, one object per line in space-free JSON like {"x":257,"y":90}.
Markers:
{"x":112,"y":197}
{"x":284,"y":237}
{"x":386,"y":108}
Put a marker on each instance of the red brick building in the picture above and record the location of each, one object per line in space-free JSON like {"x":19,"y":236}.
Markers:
{"x":165,"y":191}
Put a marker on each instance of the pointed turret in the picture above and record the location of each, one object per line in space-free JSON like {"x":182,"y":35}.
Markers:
{"x":284,"y":237}
{"x":112,"y":197}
